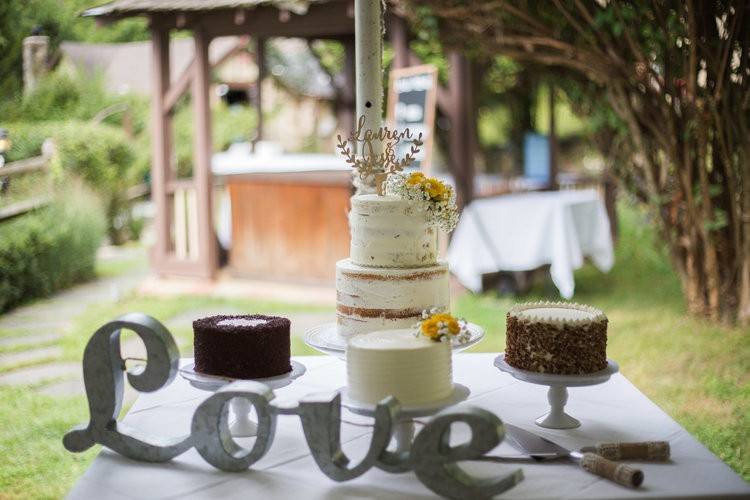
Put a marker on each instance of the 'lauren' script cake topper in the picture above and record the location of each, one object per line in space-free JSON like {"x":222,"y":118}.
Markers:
{"x":378,"y":166}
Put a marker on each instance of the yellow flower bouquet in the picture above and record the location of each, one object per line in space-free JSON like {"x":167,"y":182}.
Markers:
{"x":434,"y":197}
{"x":442,"y":327}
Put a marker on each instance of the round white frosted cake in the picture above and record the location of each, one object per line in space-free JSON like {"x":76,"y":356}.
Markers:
{"x":387,"y":231}
{"x":560,"y":338}
{"x":393,"y":273}
{"x":416,"y":370}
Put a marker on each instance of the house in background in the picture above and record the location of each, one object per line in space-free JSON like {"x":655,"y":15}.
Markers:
{"x":298,"y":95}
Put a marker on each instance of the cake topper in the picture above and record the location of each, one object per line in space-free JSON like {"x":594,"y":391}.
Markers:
{"x":372,"y":165}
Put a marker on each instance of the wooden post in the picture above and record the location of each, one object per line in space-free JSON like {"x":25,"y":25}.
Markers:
{"x":552,"y":140}
{"x":346,"y":114}
{"x":400,"y":40}
{"x":260,"y":55}
{"x":202,"y":177}
{"x":462,"y":127}
{"x":160,"y":122}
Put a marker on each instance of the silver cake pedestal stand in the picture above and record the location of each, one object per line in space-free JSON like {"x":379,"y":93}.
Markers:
{"x":241,"y":426}
{"x":325,"y":338}
{"x":557,"y":395}
{"x":404,"y":432}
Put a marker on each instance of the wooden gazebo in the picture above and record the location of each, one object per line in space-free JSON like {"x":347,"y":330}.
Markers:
{"x":260,"y":19}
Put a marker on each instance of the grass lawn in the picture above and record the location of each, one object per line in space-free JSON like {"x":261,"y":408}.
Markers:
{"x":696,"y":371}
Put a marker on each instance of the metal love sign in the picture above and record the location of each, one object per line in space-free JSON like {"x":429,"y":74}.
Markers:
{"x":431,"y":458}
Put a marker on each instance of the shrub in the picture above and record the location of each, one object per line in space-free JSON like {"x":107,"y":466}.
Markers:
{"x":103,"y":157}
{"x":50,"y":249}
{"x":27,"y":138}
{"x":65,"y":94}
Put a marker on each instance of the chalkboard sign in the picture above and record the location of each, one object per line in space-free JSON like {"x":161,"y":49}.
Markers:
{"x":412,"y":93}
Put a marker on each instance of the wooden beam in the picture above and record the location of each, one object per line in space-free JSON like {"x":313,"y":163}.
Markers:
{"x":160,"y":132}
{"x":346,"y":113}
{"x":462,"y":127}
{"x":207,"y":262}
{"x":260,"y":61}
{"x":179,"y":87}
{"x":24,"y":166}
{"x":25,"y":206}
{"x":399,"y":35}
{"x":553,"y":167}
{"x":325,"y":19}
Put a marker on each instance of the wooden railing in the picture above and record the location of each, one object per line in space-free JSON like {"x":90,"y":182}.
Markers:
{"x":10,"y":170}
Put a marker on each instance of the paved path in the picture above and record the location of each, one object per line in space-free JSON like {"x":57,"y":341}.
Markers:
{"x":29,"y":335}
{"x":30,"y":354}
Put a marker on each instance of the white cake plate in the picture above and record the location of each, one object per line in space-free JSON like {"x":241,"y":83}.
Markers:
{"x":557,"y":395}
{"x":325,"y":338}
{"x":242,"y":426}
{"x":404,"y":433}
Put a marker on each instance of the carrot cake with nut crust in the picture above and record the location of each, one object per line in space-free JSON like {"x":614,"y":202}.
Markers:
{"x":556,"y":337}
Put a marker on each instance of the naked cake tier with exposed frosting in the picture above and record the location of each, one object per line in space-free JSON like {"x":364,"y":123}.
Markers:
{"x":557,"y":338}
{"x":393,"y":273}
{"x":372,"y":298}
{"x":387,"y":231}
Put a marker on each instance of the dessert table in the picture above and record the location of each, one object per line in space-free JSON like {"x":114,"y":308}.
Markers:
{"x":521,"y":232}
{"x":613,"y":411}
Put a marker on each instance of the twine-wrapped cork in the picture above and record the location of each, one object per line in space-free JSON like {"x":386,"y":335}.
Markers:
{"x":647,"y":450}
{"x":619,"y":473}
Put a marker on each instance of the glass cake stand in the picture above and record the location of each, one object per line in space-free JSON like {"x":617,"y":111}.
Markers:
{"x":325,"y":338}
{"x":242,"y":426}
{"x":557,"y":395}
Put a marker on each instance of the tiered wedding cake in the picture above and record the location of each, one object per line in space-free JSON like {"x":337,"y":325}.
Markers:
{"x":393,"y":273}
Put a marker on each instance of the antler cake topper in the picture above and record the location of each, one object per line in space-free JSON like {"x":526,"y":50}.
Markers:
{"x":372,"y":165}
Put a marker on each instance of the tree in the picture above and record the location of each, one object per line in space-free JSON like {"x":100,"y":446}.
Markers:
{"x":675,"y":80}
{"x":60,"y":20}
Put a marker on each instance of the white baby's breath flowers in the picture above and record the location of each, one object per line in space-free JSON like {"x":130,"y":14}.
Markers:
{"x":433,"y":197}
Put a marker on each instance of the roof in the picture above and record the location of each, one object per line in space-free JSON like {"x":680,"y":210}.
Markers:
{"x":126,"y":67}
{"x":136,"y":7}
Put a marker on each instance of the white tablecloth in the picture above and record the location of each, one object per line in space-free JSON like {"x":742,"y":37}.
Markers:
{"x":615,"y":411}
{"x":521,"y":232}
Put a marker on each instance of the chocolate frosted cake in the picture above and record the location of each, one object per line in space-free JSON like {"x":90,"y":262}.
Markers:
{"x":245,"y":347}
{"x":559,"y":338}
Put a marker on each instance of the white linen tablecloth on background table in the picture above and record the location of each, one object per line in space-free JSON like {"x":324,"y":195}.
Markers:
{"x":614,"y":411}
{"x":521,"y":232}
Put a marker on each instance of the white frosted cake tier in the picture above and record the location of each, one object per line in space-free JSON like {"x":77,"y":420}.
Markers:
{"x":387,"y":231}
{"x":370,"y":299}
{"x":416,"y":370}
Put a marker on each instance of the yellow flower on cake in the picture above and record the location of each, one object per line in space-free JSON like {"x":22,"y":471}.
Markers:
{"x":415,"y":179}
{"x":431,"y":196}
{"x":436,"y":189}
{"x":442,"y":327}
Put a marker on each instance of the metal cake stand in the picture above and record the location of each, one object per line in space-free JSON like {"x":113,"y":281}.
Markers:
{"x":404,"y":432}
{"x":557,"y":395}
{"x":242,"y":426}
{"x":325,"y":338}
